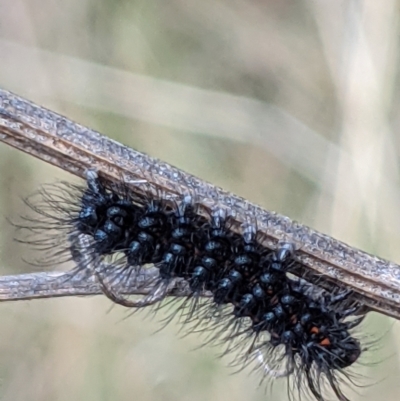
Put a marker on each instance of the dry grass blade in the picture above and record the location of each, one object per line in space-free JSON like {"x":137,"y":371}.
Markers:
{"x":74,"y":148}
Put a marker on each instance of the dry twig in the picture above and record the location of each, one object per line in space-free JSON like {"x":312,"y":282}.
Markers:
{"x":72,"y":283}
{"x":74,"y":148}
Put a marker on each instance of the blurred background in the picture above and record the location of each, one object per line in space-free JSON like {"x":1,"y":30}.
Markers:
{"x":292,"y":104}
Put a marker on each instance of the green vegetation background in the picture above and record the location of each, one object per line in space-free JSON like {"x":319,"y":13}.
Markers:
{"x":291,"y":103}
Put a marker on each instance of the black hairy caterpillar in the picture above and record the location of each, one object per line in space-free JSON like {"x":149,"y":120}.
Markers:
{"x":260,"y":307}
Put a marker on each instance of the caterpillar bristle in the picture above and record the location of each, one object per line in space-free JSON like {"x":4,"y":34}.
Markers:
{"x":261,"y":308}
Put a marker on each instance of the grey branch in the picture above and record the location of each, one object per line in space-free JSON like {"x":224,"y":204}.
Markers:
{"x":78,"y":283}
{"x":74,"y":148}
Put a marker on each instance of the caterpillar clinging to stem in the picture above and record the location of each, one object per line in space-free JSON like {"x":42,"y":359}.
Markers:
{"x":266,"y":278}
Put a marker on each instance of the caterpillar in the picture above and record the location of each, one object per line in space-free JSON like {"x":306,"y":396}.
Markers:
{"x":261,"y":308}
